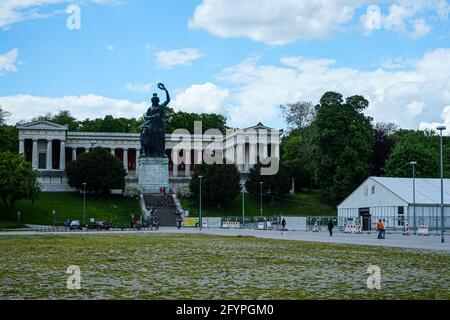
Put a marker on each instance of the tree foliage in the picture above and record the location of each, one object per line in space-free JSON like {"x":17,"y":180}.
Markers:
{"x":185,"y":120}
{"x":298,"y":114}
{"x":383,"y":144}
{"x":9,"y":139}
{"x":173,"y":120}
{"x":4,"y":114}
{"x":296,"y":156}
{"x":274,"y":185}
{"x":100,"y":170}
{"x":420,"y":146}
{"x":343,"y":145}
{"x":220,"y":184}
{"x":18,"y":180}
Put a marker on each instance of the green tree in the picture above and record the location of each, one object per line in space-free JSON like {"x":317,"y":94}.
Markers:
{"x":384,"y":142}
{"x":63,"y":117}
{"x":343,"y":145}
{"x":9,"y":139}
{"x":296,"y":156}
{"x":185,"y":120}
{"x":420,"y":146}
{"x":220,"y":184}
{"x":100,"y":170}
{"x":4,"y":114}
{"x":298,"y":114}
{"x":273,"y":186}
{"x":18,"y":180}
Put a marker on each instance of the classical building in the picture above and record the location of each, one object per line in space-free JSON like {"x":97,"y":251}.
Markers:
{"x":49,"y":147}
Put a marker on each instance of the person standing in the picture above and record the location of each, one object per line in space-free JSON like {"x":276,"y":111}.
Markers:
{"x":330,"y":227}
{"x":283,"y":226}
{"x":380,"y":228}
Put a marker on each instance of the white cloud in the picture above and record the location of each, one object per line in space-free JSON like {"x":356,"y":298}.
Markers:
{"x":25,"y":107}
{"x":8,"y":61}
{"x":407,"y":97}
{"x":421,"y":28}
{"x":445,"y":116}
{"x":405,"y":16}
{"x":15,"y":11}
{"x":273,"y":22}
{"x":202,"y":98}
{"x":110,"y":47}
{"x":167,"y":59}
{"x":415,"y":108}
{"x":139,"y":87}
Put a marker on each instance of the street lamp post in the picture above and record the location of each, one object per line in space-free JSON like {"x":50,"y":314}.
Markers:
{"x":414,"y":163}
{"x":84,"y":203}
{"x":442,"y":128}
{"x":243,"y":208}
{"x":200,"y":203}
{"x":261,"y":208}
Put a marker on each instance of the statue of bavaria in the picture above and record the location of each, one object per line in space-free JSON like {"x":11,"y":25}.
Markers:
{"x":153,"y":136}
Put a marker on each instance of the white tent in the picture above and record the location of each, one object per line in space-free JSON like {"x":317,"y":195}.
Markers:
{"x":392,"y":199}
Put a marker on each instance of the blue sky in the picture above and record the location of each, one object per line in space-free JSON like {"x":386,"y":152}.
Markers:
{"x":239,"y":59}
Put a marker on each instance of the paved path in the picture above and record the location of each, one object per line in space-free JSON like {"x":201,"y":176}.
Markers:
{"x":392,"y":240}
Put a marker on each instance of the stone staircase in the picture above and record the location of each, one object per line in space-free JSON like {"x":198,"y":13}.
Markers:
{"x":166,"y":207}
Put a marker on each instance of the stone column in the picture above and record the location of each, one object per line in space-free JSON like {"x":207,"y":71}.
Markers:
{"x":187,"y":170}
{"x":240,"y":155}
{"x":62,"y":156}
{"x":125,"y":159}
{"x":21,"y":146}
{"x":74,"y":154}
{"x":34,"y":156}
{"x":49,"y":155}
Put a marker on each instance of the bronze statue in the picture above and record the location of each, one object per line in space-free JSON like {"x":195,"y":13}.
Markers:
{"x":153,"y":136}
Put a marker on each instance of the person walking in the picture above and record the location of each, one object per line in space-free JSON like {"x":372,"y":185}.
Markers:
{"x":283,"y":226}
{"x":384,"y":229}
{"x":330,"y":227}
{"x":380,"y":228}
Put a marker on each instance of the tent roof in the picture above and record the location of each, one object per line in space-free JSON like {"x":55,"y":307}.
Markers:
{"x":428,"y":191}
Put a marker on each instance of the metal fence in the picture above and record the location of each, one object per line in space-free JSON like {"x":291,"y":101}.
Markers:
{"x":66,"y":229}
{"x":395,"y":223}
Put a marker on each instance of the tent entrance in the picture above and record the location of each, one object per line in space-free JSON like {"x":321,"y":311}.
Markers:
{"x":364,"y":214}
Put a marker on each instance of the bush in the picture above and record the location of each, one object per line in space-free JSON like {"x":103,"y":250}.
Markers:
{"x":183,"y":191}
{"x":132,"y":191}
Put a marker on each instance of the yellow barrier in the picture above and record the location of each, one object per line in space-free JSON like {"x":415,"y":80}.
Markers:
{"x":190,"y":222}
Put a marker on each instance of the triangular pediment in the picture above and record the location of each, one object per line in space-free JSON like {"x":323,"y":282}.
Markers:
{"x":260,"y":126}
{"x":42,"y":125}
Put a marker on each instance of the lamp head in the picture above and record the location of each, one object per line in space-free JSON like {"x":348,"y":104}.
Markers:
{"x":441,"y":128}
{"x":413,"y":163}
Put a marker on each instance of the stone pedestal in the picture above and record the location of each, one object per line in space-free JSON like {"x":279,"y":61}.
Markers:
{"x":153,"y":174}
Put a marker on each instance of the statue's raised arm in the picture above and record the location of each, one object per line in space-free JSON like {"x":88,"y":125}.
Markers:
{"x":163,"y":87}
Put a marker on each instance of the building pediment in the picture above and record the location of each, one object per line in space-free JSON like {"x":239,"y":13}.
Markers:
{"x":42,"y":125}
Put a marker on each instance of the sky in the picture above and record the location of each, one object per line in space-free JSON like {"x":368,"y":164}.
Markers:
{"x":242,"y":59}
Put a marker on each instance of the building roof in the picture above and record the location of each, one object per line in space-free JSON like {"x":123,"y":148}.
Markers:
{"x":42,"y":125}
{"x":428,"y":191}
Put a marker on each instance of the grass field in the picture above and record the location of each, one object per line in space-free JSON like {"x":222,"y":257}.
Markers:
{"x":158,"y":266}
{"x":70,"y":205}
{"x":307,"y":203}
